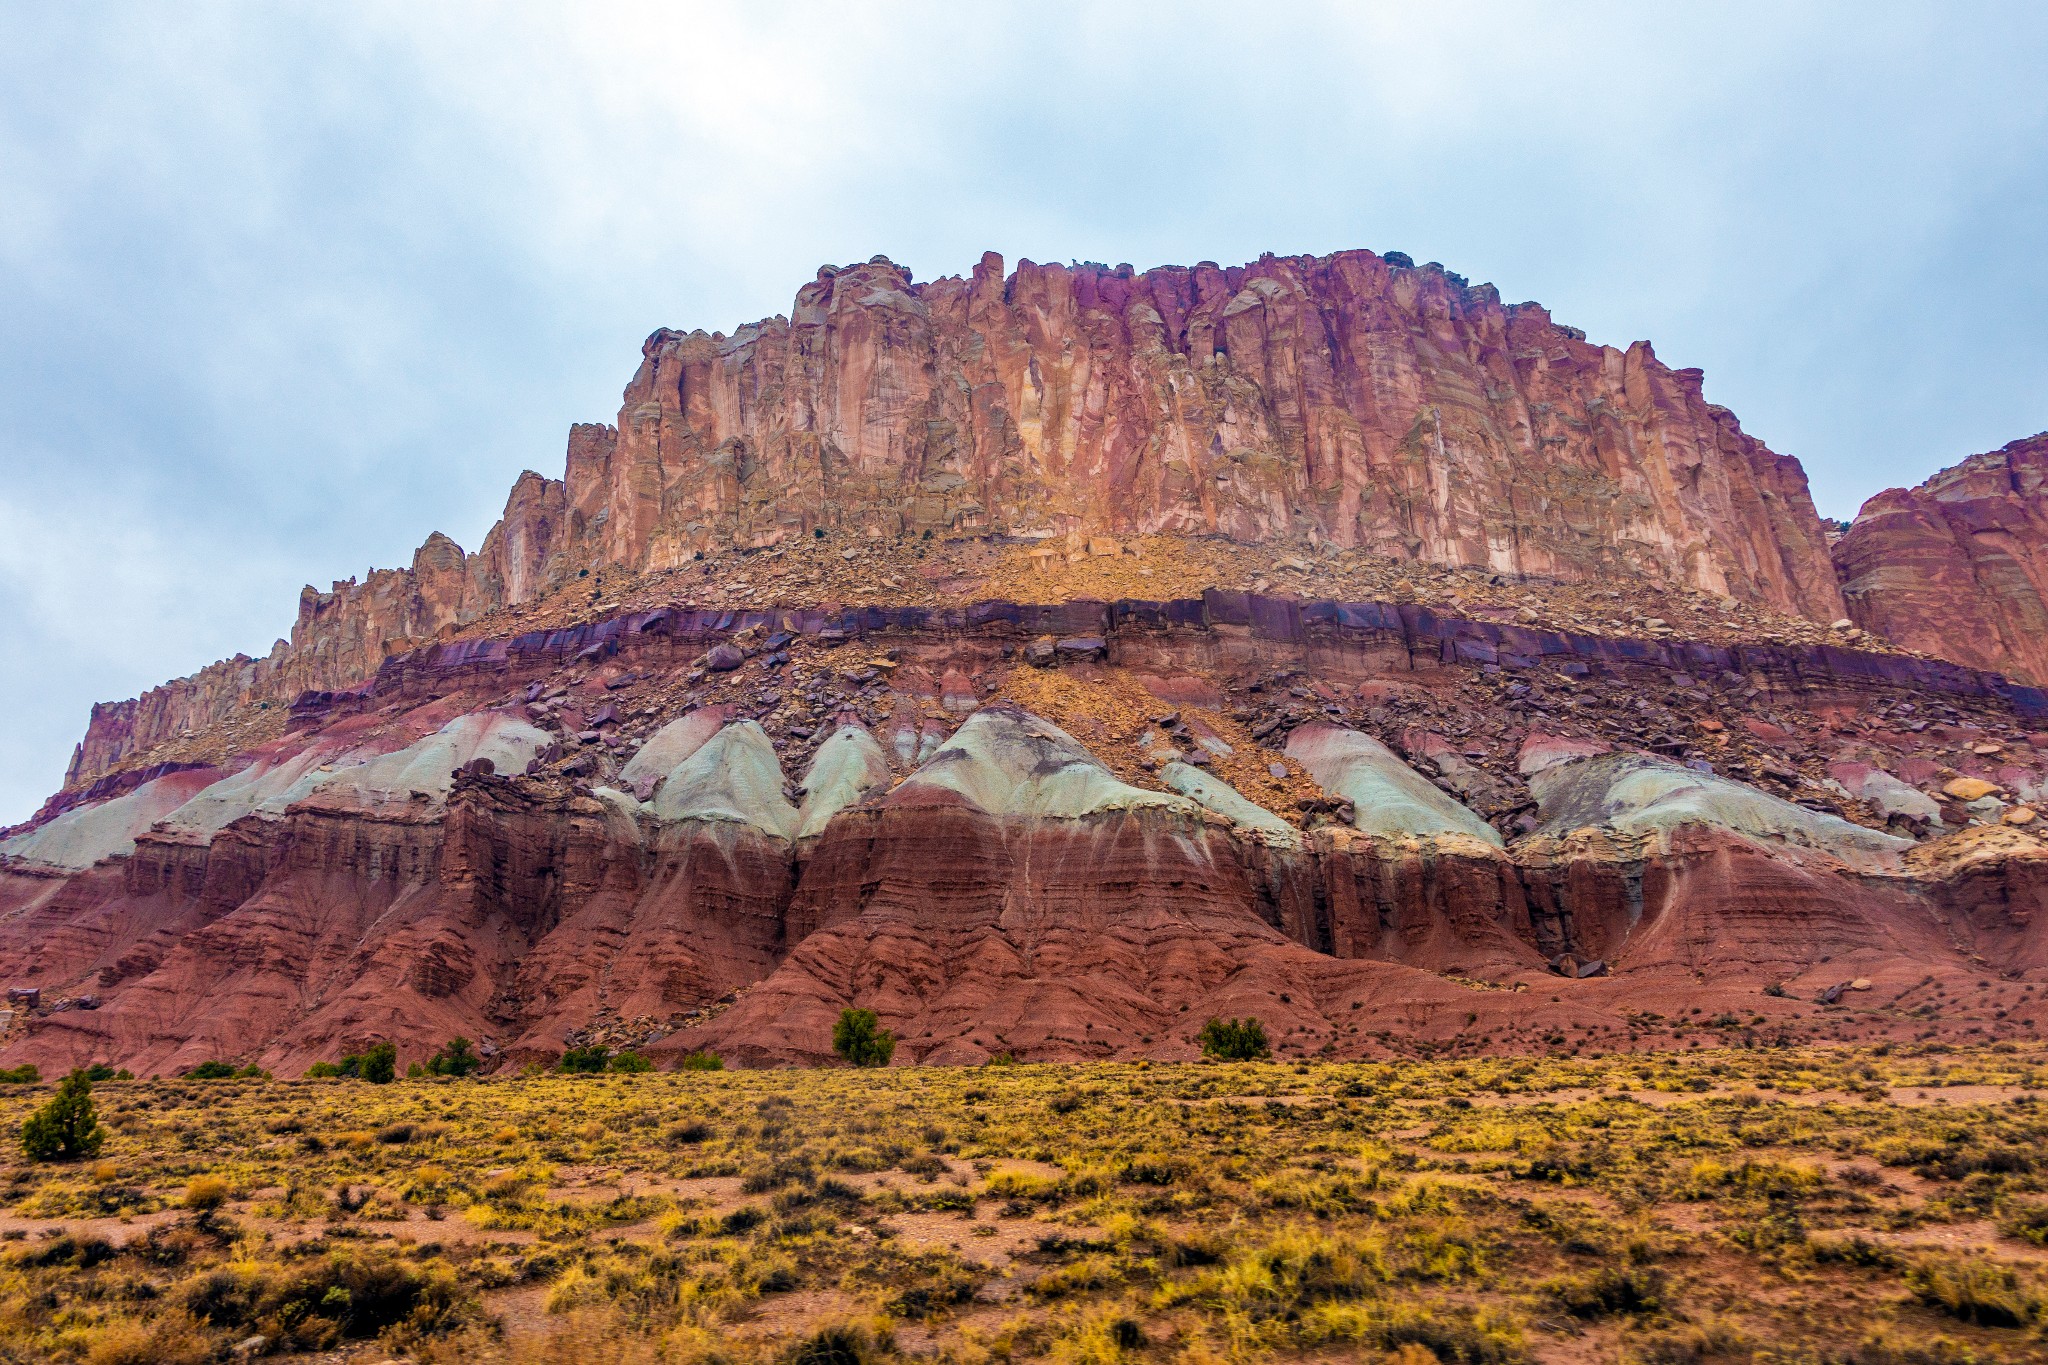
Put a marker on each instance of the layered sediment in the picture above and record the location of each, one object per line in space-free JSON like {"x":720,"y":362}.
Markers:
{"x":1354,"y":401}
{"x":1050,"y":660}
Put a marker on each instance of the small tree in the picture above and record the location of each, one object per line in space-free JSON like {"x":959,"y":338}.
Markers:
{"x":67,"y":1127}
{"x":1233,"y":1040}
{"x":379,"y":1065}
{"x":583,"y":1059}
{"x":629,"y":1062}
{"x":457,"y":1057}
{"x":860,"y":1038}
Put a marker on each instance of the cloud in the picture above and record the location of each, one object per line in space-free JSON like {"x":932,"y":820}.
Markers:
{"x":284,"y":288}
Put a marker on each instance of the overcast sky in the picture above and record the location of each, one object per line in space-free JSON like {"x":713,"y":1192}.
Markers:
{"x":283,"y":288}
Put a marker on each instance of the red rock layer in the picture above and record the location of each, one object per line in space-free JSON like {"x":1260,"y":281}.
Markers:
{"x":1351,"y":398}
{"x":529,"y":921}
{"x":1958,"y":567}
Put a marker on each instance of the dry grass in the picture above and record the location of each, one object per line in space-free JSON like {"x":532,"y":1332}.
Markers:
{"x":1487,"y":1211}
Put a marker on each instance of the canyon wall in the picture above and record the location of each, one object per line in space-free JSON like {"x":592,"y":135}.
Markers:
{"x":1959,"y":565}
{"x":1353,"y":399}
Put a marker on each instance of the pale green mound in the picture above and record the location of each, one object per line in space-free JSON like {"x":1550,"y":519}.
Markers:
{"x":1009,"y":762}
{"x":622,"y":811}
{"x":734,"y":777}
{"x":79,"y":838}
{"x":427,"y":767}
{"x":263,"y":788}
{"x":847,"y":766}
{"x":667,"y":747}
{"x":1638,"y":794}
{"x":1387,"y":796}
{"x":1219,"y":796}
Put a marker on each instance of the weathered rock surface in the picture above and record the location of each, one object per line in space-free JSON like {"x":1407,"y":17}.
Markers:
{"x":541,"y":794}
{"x":1351,"y":400}
{"x":1958,"y":567}
{"x":1008,"y":893}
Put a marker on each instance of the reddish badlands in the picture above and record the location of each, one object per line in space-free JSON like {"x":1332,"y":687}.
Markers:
{"x":1077,"y":828}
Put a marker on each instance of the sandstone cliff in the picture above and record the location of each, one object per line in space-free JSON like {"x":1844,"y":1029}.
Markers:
{"x":1351,"y":400}
{"x":1959,"y":565}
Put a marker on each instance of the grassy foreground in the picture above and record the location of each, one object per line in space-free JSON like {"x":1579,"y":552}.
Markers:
{"x":1868,"y":1206}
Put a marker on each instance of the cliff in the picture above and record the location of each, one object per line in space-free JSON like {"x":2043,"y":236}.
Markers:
{"x":1354,"y":400}
{"x":1959,"y":565}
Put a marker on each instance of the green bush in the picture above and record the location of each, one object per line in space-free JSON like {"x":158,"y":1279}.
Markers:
{"x":20,"y":1075}
{"x":860,"y":1038}
{"x":1233,"y":1040}
{"x":701,"y":1061}
{"x":457,"y":1057}
{"x":583,"y":1060}
{"x":67,"y":1127}
{"x":629,"y":1062}
{"x":378,"y":1065}
{"x":211,"y":1071}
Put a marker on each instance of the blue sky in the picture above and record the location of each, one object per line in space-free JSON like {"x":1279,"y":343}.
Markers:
{"x":285,"y":288}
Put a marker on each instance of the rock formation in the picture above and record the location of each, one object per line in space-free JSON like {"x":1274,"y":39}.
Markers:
{"x":1958,"y":567}
{"x":593,"y":833}
{"x":728,"y":730}
{"x":1352,"y":400}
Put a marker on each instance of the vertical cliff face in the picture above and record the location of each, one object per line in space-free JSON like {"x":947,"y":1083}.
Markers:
{"x":1353,"y":400}
{"x":1347,"y":398}
{"x":1959,"y":565}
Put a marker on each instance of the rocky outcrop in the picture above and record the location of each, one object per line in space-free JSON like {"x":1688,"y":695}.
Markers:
{"x":1958,"y":567}
{"x":1353,"y":400}
{"x":396,"y":873}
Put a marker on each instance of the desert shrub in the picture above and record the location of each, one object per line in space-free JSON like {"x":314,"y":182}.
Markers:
{"x":20,"y":1075}
{"x":1442,"y":1333}
{"x":1611,"y":1291}
{"x":701,"y":1061}
{"x":67,"y":1127}
{"x":205,"y":1192}
{"x":73,"y":1252}
{"x":345,"y":1294}
{"x":173,"y":1338}
{"x":629,"y":1062}
{"x":215,"y":1070}
{"x":742,"y":1219}
{"x":689,"y":1134}
{"x":1855,"y":1249}
{"x":1233,"y":1040}
{"x":1974,"y":1291}
{"x":838,"y":1344}
{"x":1699,"y":1344}
{"x":787,"y":1170}
{"x":394,"y":1134}
{"x":860,"y":1038}
{"x":2025,"y":1220}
